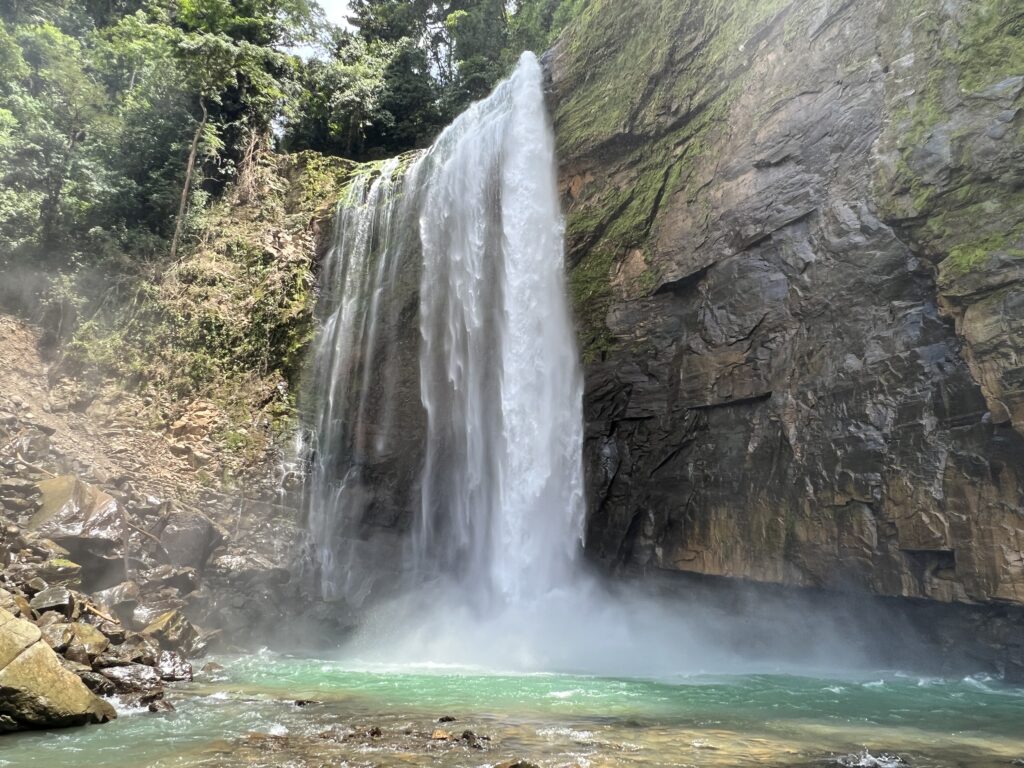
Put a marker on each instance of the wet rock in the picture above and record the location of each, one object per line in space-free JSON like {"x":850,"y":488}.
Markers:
{"x":120,"y":600}
{"x":76,"y":515}
{"x":188,"y":538}
{"x":49,"y":548}
{"x":517,"y":764}
{"x":86,"y":641}
{"x":17,"y":486}
{"x":136,"y":649}
{"x":35,"y":689}
{"x":154,"y":606}
{"x":57,"y":599}
{"x":97,"y":683}
{"x":182,"y":580}
{"x":173,"y":631}
{"x":440,"y":734}
{"x":446,"y":719}
{"x":133,"y":677}
{"x":472,"y":740}
{"x":173,"y":667}
{"x":112,"y":631}
{"x":60,"y":571}
{"x":212,"y":667}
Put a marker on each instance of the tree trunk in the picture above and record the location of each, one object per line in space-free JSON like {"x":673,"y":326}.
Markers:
{"x":183,"y":206}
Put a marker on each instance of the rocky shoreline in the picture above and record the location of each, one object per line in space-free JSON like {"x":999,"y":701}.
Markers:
{"x":109,"y":591}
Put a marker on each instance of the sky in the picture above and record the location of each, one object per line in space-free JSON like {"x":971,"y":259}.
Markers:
{"x":336,"y":10}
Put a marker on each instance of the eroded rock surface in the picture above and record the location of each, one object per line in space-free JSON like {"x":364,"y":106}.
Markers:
{"x":795,"y":232}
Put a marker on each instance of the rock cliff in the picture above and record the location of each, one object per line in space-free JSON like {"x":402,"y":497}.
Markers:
{"x":796,"y":236}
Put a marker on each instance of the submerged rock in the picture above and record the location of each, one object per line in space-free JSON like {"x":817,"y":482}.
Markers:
{"x":36,"y":691}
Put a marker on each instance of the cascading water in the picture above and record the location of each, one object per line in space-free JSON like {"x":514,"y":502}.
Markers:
{"x":448,"y":432}
{"x":446,"y":346}
{"x":502,"y":485}
{"x":501,"y":504}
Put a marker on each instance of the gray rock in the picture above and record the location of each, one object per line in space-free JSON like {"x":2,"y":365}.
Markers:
{"x":791,"y":375}
{"x":133,"y":677}
{"x":188,"y":539}
{"x":58,"y":599}
{"x":173,"y":667}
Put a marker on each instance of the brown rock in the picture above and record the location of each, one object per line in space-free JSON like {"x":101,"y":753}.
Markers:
{"x":35,"y":690}
{"x":58,"y":636}
{"x":173,"y":631}
{"x":88,"y":640}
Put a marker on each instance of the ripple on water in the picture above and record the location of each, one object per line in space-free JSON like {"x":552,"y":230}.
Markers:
{"x":866,"y":760}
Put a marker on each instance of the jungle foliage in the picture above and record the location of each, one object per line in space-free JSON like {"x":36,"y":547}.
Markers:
{"x":122,"y":120}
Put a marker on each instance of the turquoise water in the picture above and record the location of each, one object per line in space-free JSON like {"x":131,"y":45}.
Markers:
{"x":245,"y":715}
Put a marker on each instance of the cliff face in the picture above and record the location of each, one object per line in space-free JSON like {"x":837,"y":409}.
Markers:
{"x":796,"y":235}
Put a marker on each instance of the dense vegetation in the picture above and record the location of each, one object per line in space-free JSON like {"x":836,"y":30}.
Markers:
{"x":149,"y":151}
{"x":120,"y":119}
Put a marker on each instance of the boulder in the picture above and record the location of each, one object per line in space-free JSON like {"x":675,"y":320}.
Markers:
{"x":57,"y":636}
{"x":173,"y":667}
{"x":97,"y":683}
{"x":59,"y":570}
{"x":154,"y":607}
{"x":57,"y":599}
{"x":36,"y":691}
{"x":111,"y":630}
{"x":77,"y":515}
{"x":173,"y":631}
{"x":48,"y":618}
{"x":48,"y":548}
{"x":136,"y":649}
{"x":87,"y":641}
{"x":133,"y":677}
{"x":188,"y":538}
{"x":15,"y":603}
{"x":120,"y":600}
{"x":183,"y":580}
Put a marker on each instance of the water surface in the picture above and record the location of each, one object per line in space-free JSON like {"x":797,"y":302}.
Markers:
{"x":245,"y":715}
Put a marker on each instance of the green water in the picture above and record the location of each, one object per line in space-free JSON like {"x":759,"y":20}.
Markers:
{"x":245,"y":715}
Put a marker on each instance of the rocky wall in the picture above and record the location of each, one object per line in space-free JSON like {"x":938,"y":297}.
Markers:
{"x":795,"y":239}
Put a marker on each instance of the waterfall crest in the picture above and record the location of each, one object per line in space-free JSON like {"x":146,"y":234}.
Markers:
{"x":476,"y":218}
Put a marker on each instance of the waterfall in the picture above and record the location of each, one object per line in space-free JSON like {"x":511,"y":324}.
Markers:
{"x":476,"y":219}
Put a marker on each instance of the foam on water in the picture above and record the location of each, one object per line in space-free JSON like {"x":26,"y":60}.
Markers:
{"x":493,"y":578}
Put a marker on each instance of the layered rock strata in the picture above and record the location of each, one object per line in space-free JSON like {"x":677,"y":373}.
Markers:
{"x":795,"y":233}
